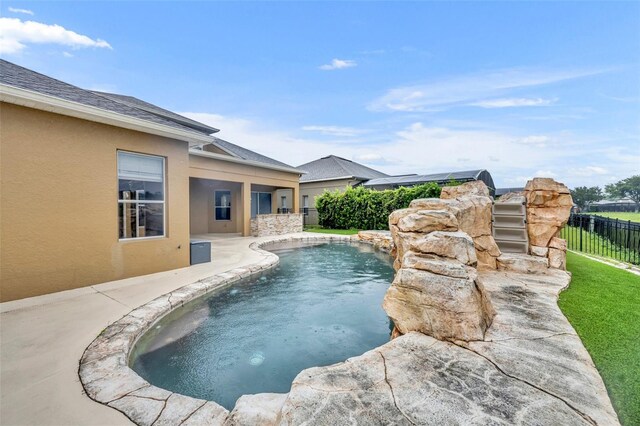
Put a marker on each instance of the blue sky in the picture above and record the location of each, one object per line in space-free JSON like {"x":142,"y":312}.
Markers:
{"x":521,"y":89}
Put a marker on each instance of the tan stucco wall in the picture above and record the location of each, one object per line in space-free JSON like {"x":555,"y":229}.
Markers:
{"x":249,"y":178}
{"x":314,"y":189}
{"x":58,"y":215}
{"x":201,"y":210}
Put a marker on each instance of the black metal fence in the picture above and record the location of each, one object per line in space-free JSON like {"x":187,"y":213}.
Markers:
{"x":602,"y":236}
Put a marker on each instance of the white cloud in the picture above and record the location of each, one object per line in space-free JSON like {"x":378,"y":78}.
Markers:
{"x":513,"y":102}
{"x":472,"y":88}
{"x":24,"y":11}
{"x":371,"y":159}
{"x":419,"y":148}
{"x":587,"y":171}
{"x":338,"y":64}
{"x":67,"y":55}
{"x":335,"y":130}
{"x":16,"y":34}
{"x":539,"y":141}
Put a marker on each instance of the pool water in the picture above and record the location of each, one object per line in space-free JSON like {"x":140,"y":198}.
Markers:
{"x":319,"y":306}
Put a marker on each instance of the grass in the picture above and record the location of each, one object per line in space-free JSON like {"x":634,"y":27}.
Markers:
{"x":603,"y":305}
{"x":321,"y":230}
{"x":634,"y":217}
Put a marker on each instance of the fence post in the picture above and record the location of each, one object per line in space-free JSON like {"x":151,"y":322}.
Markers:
{"x":580,"y":227}
{"x":628,"y":245}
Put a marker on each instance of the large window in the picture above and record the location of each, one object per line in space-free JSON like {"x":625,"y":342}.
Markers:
{"x":140,"y":195}
{"x":222,"y":205}
{"x":260,"y":203}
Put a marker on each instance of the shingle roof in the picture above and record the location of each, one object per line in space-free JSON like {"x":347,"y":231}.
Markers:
{"x":333,"y":167}
{"x":146,"y":106}
{"x":23,"y":78}
{"x":247,"y":154}
{"x":417,"y":179}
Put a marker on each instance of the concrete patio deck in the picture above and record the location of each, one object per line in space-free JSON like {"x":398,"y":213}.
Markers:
{"x":42,"y":338}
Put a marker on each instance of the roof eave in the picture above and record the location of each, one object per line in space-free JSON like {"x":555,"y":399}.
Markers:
{"x":31,"y":99}
{"x":243,"y":161}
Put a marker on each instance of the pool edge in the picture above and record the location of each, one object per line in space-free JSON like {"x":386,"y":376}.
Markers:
{"x":104,"y":370}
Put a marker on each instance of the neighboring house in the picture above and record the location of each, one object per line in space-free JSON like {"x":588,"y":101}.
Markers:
{"x":97,"y":187}
{"x":330,"y":173}
{"x":620,"y":205}
{"x":393,"y":182}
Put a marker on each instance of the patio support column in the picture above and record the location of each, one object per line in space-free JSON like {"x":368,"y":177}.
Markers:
{"x":275,"y":203}
{"x":295,"y":199}
{"x":245,"y":194}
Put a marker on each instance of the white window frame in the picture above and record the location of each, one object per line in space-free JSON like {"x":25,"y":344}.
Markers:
{"x":305,"y":201}
{"x":122,"y":203}
{"x":215,"y":206}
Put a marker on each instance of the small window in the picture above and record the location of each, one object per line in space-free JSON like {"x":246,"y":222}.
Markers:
{"x":305,"y":201}
{"x":222,"y":205}
{"x":140,"y":195}
{"x":283,"y":201}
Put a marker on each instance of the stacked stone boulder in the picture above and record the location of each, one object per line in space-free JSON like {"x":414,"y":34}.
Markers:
{"x":436,"y":290}
{"x":548,"y":208}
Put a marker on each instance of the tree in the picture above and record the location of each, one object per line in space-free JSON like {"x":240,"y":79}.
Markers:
{"x":584,"y":196}
{"x":626,"y":188}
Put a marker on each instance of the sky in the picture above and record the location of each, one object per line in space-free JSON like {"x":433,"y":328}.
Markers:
{"x":521,"y":89}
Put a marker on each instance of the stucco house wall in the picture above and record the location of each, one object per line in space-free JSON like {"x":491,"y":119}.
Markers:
{"x":243,"y":178}
{"x":59,"y":204}
{"x":314,"y":189}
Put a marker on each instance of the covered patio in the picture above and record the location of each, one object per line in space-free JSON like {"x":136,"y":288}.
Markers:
{"x":224,"y":198}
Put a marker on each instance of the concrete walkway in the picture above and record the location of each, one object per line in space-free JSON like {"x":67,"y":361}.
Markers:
{"x":42,"y":338}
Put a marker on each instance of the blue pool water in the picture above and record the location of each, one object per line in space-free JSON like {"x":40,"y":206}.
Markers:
{"x":319,"y":306}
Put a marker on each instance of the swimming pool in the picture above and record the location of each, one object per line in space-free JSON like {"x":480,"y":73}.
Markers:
{"x":319,"y":306}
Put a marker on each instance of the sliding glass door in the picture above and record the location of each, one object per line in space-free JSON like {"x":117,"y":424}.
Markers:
{"x":260,"y":203}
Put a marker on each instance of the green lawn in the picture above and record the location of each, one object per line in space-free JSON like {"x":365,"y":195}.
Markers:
{"x":634,"y":217}
{"x":603,"y":305}
{"x":316,"y":228}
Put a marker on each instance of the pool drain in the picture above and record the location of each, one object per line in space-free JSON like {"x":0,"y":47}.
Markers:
{"x":256,"y":359}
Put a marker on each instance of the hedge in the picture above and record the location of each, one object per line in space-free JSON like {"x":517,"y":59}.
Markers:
{"x":362,"y":208}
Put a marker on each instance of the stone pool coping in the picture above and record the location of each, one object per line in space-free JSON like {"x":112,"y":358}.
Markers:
{"x":104,"y":368}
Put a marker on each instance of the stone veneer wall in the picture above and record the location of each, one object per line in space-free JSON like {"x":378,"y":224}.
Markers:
{"x":265,"y":225}
{"x":548,"y":208}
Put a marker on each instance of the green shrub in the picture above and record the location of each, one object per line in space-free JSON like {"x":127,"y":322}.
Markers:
{"x":362,"y":208}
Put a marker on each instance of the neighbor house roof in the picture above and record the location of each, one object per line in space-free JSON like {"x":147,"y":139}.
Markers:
{"x":25,"y":87}
{"x":333,"y":167}
{"x":439,"y":178}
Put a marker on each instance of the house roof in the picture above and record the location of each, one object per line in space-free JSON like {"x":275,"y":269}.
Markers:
{"x":15,"y":76}
{"x":247,"y":154}
{"x":146,"y":106}
{"x":23,"y":78}
{"x":333,"y":167}
{"x":407,"y":180}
